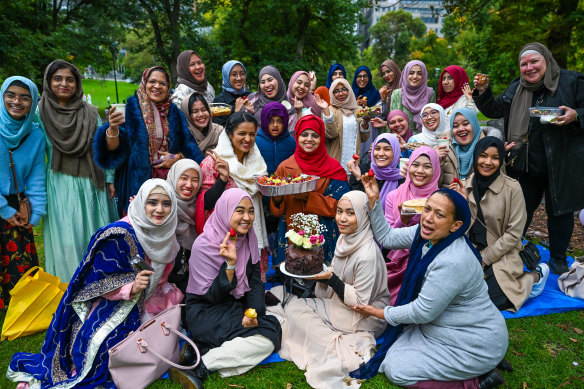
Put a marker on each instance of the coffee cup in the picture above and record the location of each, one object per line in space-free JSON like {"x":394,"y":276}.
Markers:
{"x":120,"y":108}
{"x":403,"y":162}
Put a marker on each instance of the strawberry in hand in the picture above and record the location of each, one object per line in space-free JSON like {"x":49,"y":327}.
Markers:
{"x":232,"y":234}
{"x":355,"y":157}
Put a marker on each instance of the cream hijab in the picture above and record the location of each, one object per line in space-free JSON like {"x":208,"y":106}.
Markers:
{"x":347,"y":244}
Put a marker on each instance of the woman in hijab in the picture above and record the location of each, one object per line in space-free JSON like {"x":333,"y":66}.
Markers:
{"x":498,"y":217}
{"x":299,"y":94}
{"x":444,"y":331}
{"x":79,"y":193}
{"x":198,"y":114}
{"x":234,"y":92}
{"x":413,"y":94}
{"x":391,"y":74}
{"x":363,"y":88}
{"x":22,"y":140}
{"x":310,"y":158}
{"x":108,"y":296}
{"x":433,"y":125}
{"x":147,"y":140}
{"x":454,"y":91}
{"x":398,"y":124}
{"x":191,"y":78}
{"x":543,"y":155}
{"x":323,"y":335}
{"x":224,"y":282}
{"x":335,"y":71}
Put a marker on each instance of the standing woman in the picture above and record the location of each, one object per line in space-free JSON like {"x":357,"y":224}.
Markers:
{"x":391,"y":74}
{"x":198,"y":115}
{"x":271,"y":88}
{"x":454,"y":91}
{"x":191,"y":78}
{"x":363,"y":88}
{"x":147,"y":141}
{"x":335,"y":71}
{"x":78,"y":202}
{"x":300,"y":95}
{"x":234,"y":93}
{"x":413,"y":94}
{"x":24,"y":138}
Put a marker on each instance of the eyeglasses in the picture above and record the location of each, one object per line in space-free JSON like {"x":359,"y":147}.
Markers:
{"x":431,"y":113}
{"x":24,"y":99}
{"x":339,"y":91}
{"x":163,"y":84}
{"x":362,"y":77}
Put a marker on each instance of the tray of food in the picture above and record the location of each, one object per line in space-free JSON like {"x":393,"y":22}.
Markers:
{"x":281,"y":186}
{"x":369,"y":112}
{"x":415,"y":145}
{"x":413,"y":206}
{"x":546,"y":114}
{"x":220,"y":109}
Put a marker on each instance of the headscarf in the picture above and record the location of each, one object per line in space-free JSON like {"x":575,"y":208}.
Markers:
{"x":460,"y":78}
{"x":71,"y":129}
{"x":185,"y":229}
{"x":13,"y":131}
{"x":317,"y":163}
{"x":396,"y":83}
{"x":427,"y":136}
{"x":519,"y":116}
{"x":260,"y":100}
{"x":206,"y":139}
{"x":155,"y":115}
{"x":323,"y":92}
{"x":184,"y":74}
{"x":225,"y":72}
{"x":414,"y":98}
{"x":480,"y":185}
{"x":464,"y":154}
{"x":205,"y":262}
{"x":401,"y":113}
{"x":390,"y":174}
{"x":308,"y":100}
{"x":274,"y":109}
{"x":347,"y":244}
{"x":415,"y":275}
{"x":349,"y":106}
{"x":329,"y":79}
{"x":369,"y":91}
{"x":407,"y":190}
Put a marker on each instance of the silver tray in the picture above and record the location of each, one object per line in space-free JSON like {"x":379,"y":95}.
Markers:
{"x":289,"y":189}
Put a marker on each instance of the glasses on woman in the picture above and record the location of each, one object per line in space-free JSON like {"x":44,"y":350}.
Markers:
{"x":24,"y":99}
{"x":433,"y":114}
{"x":161,"y":83}
{"x":362,"y":77}
{"x":339,"y":91}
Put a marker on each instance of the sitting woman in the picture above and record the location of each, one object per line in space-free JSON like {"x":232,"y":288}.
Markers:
{"x":146,"y":141}
{"x":454,"y":91}
{"x":184,"y":177}
{"x":192,"y":78}
{"x":109,"y":296}
{"x":299,"y":94}
{"x":275,"y":142}
{"x":465,"y":132}
{"x":310,"y":158}
{"x":224,"y":282}
{"x":198,"y":114}
{"x":498,"y":218}
{"x":323,"y":335}
{"x":444,"y":331}
{"x":271,"y":88}
{"x":234,"y":93}
{"x":421,"y":181}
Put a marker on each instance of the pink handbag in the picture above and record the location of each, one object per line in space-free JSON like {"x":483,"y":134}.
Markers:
{"x":135,"y":363}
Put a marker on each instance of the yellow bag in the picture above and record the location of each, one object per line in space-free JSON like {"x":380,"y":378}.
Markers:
{"x":34,"y":299}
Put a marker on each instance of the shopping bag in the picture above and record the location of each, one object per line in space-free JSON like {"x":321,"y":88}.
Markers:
{"x":34,"y":300}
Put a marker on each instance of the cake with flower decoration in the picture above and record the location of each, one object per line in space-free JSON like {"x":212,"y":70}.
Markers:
{"x":305,"y":256}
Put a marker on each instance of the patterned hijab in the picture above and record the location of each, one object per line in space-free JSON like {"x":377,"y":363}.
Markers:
{"x":349,"y":106}
{"x":460,"y":78}
{"x":225,"y":72}
{"x":11,"y":130}
{"x":415,"y":97}
{"x":464,"y":153}
{"x":308,"y":100}
{"x":184,"y":74}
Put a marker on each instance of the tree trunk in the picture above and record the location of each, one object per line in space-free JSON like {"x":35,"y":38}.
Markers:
{"x":303,"y":22}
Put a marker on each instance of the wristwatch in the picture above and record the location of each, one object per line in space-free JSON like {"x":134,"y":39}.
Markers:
{"x":228,"y":266}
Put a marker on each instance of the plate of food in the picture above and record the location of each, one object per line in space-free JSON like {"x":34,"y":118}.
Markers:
{"x":220,"y":109}
{"x":281,"y":186}
{"x":415,"y":145}
{"x":413,"y":206}
{"x":283,"y":270}
{"x":369,"y":112}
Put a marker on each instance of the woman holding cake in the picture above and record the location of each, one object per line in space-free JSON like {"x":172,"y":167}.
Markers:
{"x":310,"y":158}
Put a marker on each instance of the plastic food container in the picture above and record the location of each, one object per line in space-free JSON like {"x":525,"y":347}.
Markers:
{"x":545,"y":111}
{"x":288,"y":189}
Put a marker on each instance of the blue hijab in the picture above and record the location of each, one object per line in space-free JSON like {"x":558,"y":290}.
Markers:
{"x":11,"y":130}
{"x":225,"y":72}
{"x":332,"y":69}
{"x":369,"y":91}
{"x":414,"y":277}
{"x":464,"y":154}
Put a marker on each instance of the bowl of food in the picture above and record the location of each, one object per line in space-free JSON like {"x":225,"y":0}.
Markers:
{"x":369,"y":112}
{"x":220,"y":109}
{"x":281,"y":186}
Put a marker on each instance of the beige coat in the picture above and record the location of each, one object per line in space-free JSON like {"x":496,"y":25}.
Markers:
{"x":449,"y":167}
{"x":334,"y":134}
{"x":505,"y":215}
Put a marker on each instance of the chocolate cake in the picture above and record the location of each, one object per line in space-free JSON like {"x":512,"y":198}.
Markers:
{"x":304,"y":262}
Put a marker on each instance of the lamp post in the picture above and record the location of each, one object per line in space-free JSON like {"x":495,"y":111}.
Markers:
{"x":436,"y":75}
{"x":114,"y":50}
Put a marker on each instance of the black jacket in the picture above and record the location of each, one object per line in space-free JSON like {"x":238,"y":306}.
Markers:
{"x":229,"y":99}
{"x":563,"y":145}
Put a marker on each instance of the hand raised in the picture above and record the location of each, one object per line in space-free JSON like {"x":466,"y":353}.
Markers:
{"x":227,"y":250}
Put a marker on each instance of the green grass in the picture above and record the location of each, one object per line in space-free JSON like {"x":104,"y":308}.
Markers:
{"x":101,"y":89}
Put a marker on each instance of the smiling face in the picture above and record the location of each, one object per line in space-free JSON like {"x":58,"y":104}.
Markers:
{"x":387,"y":74}
{"x":188,"y":184}
{"x":415,"y":76}
{"x":532,"y":67}
{"x":243,"y":139}
{"x":301,"y":87}
{"x":158,"y":207}
{"x":243,"y":216}
{"x":447,"y":82}
{"x":462,"y":130}
{"x":200,"y":116}
{"x":341,"y":93}
{"x":276,"y":125}
{"x":431,"y":118}
{"x":197,"y":67}
{"x":421,"y":171}
{"x":337,"y":74}
{"x":398,"y":125}
{"x":63,"y":85}
{"x":346,"y":218}
{"x":269,"y":86}
{"x":17,"y":101}
{"x":237,"y":77}
{"x":362,"y":79}
{"x":308,"y":141}
{"x":157,"y":87}
{"x":437,"y":219}
{"x":383,"y":154}
{"x":488,"y":162}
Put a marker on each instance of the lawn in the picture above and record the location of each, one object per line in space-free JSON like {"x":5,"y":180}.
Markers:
{"x":101,"y":89}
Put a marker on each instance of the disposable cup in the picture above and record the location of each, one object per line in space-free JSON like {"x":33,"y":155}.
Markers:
{"x":403,"y":162}
{"x":120,"y":108}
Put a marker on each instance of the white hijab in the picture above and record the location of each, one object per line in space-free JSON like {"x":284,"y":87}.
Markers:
{"x":429,"y":137}
{"x":347,"y":244}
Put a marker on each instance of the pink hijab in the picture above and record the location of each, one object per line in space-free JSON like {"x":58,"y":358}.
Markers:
{"x":205,"y":262}
{"x":308,"y":100}
{"x":407,"y":190}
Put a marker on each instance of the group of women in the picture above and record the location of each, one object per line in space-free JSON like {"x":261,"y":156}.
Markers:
{"x":183,"y":179}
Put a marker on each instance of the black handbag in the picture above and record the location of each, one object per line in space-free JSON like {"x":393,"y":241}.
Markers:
{"x":530,"y":255}
{"x":301,"y":287}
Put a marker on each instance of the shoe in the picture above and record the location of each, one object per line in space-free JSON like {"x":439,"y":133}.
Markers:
{"x":491,"y":379}
{"x":186,"y":378}
{"x":187,"y":355}
{"x":505,"y":365}
{"x":201,"y":371}
{"x":544,"y":271}
{"x":558,"y":265}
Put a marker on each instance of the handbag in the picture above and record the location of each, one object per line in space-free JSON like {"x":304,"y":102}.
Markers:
{"x":147,"y":353}
{"x":24,"y":206}
{"x":34,"y":299}
{"x":571,"y":283}
{"x":530,"y":255}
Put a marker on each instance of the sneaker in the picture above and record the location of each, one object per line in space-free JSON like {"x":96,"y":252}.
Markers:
{"x":558,"y":265}
{"x":185,"y":378}
{"x":544,"y":271}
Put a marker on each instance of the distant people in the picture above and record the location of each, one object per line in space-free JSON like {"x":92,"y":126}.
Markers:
{"x":192,"y":77}
{"x":197,"y":112}
{"x":544,"y":156}
{"x":234,"y":92}
{"x":454,"y":90}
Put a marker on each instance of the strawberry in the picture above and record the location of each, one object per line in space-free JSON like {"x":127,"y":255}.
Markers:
{"x":355,"y":157}
{"x":455,"y":180}
{"x":232,"y":233}
{"x":216,"y":175}
{"x":371,"y":173}
{"x":245,"y":97}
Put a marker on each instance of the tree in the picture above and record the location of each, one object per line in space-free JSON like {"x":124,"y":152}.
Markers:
{"x":435,"y":52}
